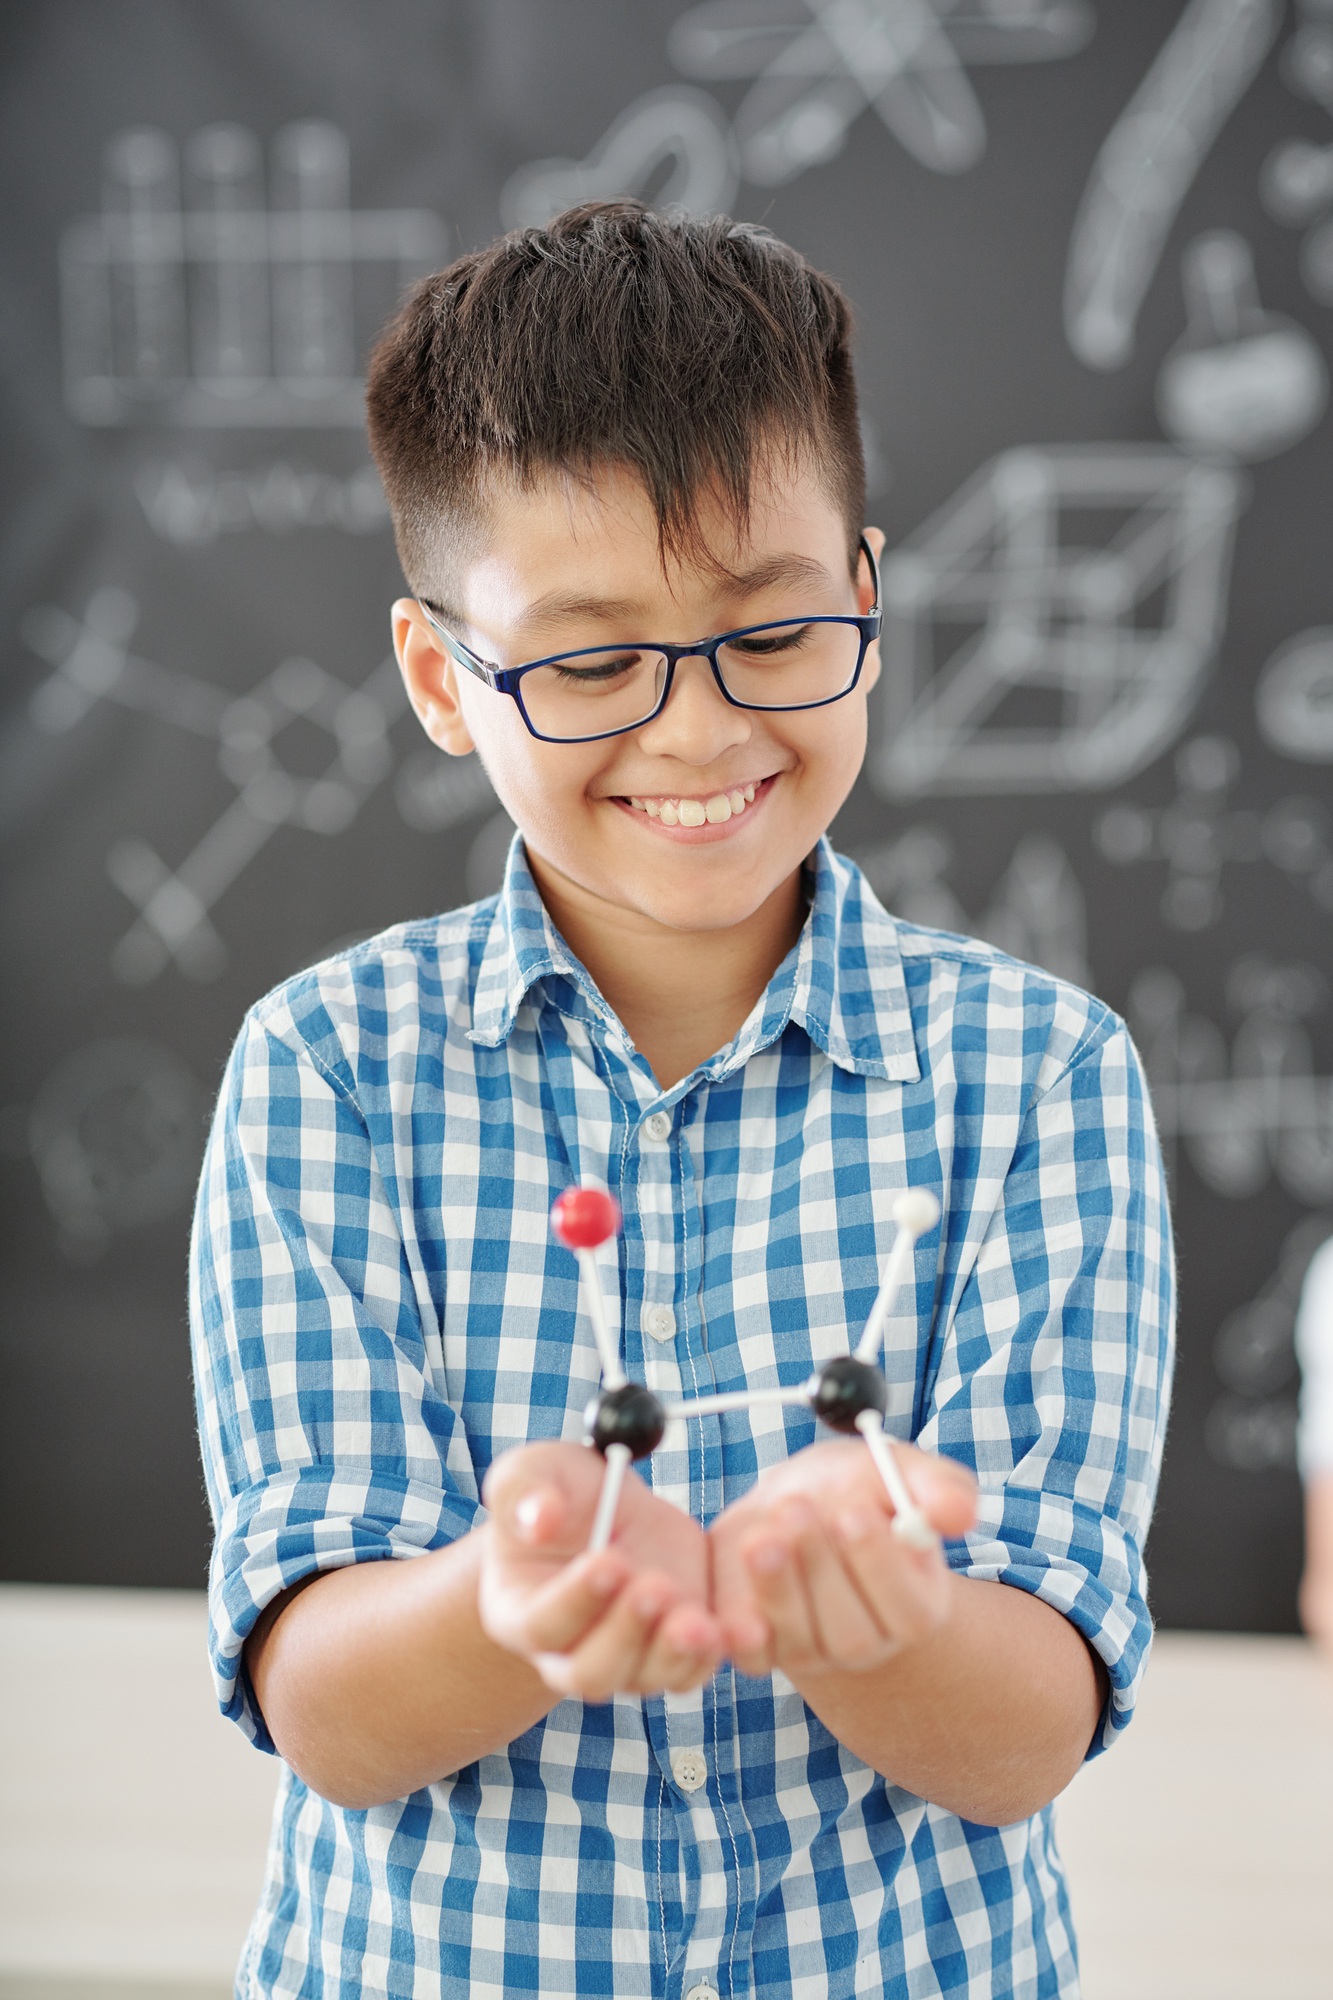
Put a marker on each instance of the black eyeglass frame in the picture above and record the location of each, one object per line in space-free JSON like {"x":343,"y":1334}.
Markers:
{"x":509,"y":680}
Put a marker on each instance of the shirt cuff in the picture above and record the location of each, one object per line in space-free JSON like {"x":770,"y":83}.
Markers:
{"x":299,"y":1524}
{"x":1085,"y":1566}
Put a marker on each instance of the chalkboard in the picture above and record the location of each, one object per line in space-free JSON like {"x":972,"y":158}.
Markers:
{"x":1091,"y":250}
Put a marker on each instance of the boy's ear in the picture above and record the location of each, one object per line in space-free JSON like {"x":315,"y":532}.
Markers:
{"x":431,"y":679}
{"x":864,"y":581}
{"x":866,"y":595}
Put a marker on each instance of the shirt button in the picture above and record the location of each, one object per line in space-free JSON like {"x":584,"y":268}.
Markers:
{"x":658,"y":1126}
{"x":703,"y":1991}
{"x":690,"y":1771}
{"x":660,"y":1321}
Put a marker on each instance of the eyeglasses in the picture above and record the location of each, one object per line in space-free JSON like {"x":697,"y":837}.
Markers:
{"x":601,"y":691}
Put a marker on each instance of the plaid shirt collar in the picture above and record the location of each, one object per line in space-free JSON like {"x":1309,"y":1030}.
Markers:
{"x":842,"y":981}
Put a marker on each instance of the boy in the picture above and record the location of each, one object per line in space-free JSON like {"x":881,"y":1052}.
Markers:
{"x":757,"y":1746}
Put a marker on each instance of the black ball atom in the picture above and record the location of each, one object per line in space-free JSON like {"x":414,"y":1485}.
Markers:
{"x":843,"y":1389}
{"x":630,"y":1415}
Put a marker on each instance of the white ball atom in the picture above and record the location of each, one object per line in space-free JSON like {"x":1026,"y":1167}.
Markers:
{"x":916,"y":1210}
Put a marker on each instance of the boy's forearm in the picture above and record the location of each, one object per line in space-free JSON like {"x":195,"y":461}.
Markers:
{"x":378,"y":1679}
{"x":990,"y":1717}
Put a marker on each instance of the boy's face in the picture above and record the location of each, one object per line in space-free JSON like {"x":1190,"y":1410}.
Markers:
{"x":567,"y":565}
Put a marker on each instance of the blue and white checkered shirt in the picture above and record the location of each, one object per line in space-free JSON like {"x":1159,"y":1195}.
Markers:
{"x":379,"y":1309}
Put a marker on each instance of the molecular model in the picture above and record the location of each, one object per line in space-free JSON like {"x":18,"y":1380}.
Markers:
{"x":626,"y":1421}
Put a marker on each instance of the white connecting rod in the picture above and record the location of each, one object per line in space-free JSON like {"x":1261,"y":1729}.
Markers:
{"x":613,"y":1375}
{"x":613,"y":1478}
{"x":909,"y":1523}
{"x":915,"y":1211}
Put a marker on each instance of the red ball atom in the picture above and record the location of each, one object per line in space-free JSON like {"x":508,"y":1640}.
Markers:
{"x":583,"y":1217}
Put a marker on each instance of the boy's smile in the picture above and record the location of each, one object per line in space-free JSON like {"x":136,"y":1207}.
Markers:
{"x":697,"y":820}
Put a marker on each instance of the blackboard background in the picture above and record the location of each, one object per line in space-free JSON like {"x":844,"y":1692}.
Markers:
{"x":958,"y":282}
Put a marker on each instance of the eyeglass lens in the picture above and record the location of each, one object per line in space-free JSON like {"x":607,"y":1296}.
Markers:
{"x":791,"y":665}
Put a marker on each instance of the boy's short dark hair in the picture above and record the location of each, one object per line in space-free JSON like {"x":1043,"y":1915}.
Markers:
{"x":678,"y":348}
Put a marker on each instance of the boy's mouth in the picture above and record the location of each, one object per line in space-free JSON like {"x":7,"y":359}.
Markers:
{"x":716,"y":809}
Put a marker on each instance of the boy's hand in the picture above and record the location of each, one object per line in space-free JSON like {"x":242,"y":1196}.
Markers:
{"x":634,"y":1619}
{"x":808,"y":1575}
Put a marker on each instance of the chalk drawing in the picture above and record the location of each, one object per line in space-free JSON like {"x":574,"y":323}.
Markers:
{"x":1148,"y":163}
{"x":210,"y":307}
{"x":1247,"y":1112}
{"x":1253,"y":1428}
{"x":190,"y":503}
{"x":1037,"y":911}
{"x":1199,"y":834}
{"x":1242,"y":380}
{"x":1051,"y":627}
{"x":115,"y":1132}
{"x":91,"y":662}
{"x":1294,"y":697}
{"x":816,"y":65}
{"x":676,"y":130}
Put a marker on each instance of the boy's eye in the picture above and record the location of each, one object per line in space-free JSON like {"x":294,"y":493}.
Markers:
{"x":772,"y":644}
{"x":595,"y":669}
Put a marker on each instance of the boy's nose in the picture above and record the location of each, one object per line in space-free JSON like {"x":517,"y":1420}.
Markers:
{"x":698,"y":722}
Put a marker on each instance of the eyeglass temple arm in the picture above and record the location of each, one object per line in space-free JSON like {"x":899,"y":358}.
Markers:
{"x":457,"y":651}
{"x":863,"y":544}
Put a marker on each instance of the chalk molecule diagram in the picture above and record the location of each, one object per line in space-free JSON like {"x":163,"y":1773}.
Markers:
{"x":91,"y":662}
{"x":625,"y":1421}
{"x":1200,"y":834}
{"x":218,"y":308}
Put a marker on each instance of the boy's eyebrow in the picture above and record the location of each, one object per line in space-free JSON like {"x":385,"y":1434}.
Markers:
{"x":557,"y":605}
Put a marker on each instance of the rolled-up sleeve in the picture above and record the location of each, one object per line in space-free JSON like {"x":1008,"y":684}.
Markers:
{"x":1056,"y":1367}
{"x":325,"y":1438}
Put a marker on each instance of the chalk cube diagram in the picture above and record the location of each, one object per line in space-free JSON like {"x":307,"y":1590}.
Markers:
{"x":1051,"y":626}
{"x":625,"y":1421}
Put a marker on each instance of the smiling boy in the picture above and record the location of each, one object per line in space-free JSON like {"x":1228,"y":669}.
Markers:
{"x":757,"y":1746}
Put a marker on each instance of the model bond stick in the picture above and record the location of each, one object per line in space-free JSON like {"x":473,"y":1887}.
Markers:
{"x":626,"y":1421}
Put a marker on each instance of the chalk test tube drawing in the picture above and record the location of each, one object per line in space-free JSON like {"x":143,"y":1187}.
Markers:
{"x":1200,"y":834}
{"x":91,"y":662}
{"x":1294,"y":697}
{"x":213,"y":309}
{"x":1247,"y":1113}
{"x":115,"y":1133}
{"x":1036,"y":912}
{"x":817,"y":65}
{"x":1252,"y":1428}
{"x":1242,"y":381}
{"x":1148,"y":163}
{"x":676,"y":130}
{"x":626,"y":1421}
{"x":1050,"y":628}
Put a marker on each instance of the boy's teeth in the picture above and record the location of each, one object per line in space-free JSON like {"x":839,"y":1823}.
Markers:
{"x":697,"y":812}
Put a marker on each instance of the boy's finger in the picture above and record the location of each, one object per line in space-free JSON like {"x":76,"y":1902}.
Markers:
{"x":904,"y":1588}
{"x":607,"y":1661}
{"x":780,"y":1596}
{"x":539,"y":1492}
{"x":846,"y":1627}
{"x":559,"y":1614}
{"x":943,"y":1489}
{"x":685,"y":1651}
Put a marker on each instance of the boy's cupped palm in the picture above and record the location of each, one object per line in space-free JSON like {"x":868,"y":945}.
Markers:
{"x":803,"y":1573}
